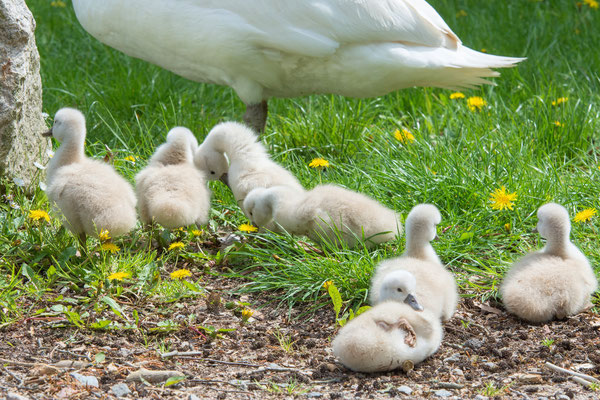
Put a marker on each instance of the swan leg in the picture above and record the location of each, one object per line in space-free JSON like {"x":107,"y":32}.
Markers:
{"x":256,"y":116}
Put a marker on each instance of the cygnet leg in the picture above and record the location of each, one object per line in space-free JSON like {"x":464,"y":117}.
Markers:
{"x":256,"y":116}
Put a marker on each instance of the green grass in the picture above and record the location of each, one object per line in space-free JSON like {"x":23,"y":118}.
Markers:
{"x":458,"y":158}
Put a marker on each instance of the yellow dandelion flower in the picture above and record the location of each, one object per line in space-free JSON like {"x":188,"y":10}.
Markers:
{"x":557,"y":123}
{"x":457,"y":95}
{"x":501,"y":200}
{"x":118,"y":276}
{"x":176,"y":246}
{"x":180,"y":274}
{"x":39,"y":214}
{"x":130,"y":159}
{"x":318,"y":163}
{"x":404,"y":136}
{"x":461,"y":13}
{"x":476,"y":103}
{"x":585,"y":215}
{"x":559,"y":101}
{"x":246,"y":314}
{"x":326,"y":284}
{"x":59,"y":3}
{"x":104,"y":235}
{"x":111,"y":247}
{"x":247,"y":228}
{"x":507,"y":227}
{"x":591,"y":3}
{"x":484,"y":50}
{"x":196,"y":232}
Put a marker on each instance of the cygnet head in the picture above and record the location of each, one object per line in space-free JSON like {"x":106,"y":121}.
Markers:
{"x":210,"y":161}
{"x":421,"y":223}
{"x":400,"y":286}
{"x":553,"y":222}
{"x":258,"y":206}
{"x":68,"y":123}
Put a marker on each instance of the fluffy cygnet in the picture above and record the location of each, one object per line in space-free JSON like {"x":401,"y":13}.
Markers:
{"x":325,"y":213}
{"x":249,"y":164}
{"x":384,"y":337}
{"x":435,"y":286}
{"x":89,"y":193}
{"x":171,"y":190}
{"x":556,"y":281}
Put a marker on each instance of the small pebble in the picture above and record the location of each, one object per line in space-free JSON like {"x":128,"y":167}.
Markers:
{"x":405,"y":389}
{"x":562,"y":397}
{"x":120,"y":390}
{"x":193,"y":397}
{"x":480,"y":397}
{"x":86,"y":380}
{"x":314,"y":395}
{"x":454,"y":357}
{"x":442,"y":393}
{"x":473,"y":343}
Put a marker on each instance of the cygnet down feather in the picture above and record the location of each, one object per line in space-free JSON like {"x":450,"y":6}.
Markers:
{"x":249,"y":164}
{"x":384,"y":337}
{"x":171,"y":190}
{"x":89,"y":193}
{"x":556,"y":281}
{"x":327,"y":213}
{"x":436,"y":289}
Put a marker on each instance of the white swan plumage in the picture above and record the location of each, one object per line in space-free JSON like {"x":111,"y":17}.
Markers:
{"x":289,"y":48}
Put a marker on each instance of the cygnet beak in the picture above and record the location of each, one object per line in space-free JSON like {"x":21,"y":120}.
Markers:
{"x":412,"y":301}
{"x":535,"y":230}
{"x":48,"y":133}
{"x":225,"y":179}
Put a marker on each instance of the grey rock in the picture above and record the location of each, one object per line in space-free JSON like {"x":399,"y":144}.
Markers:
{"x":314,"y":395}
{"x":15,"y":396}
{"x":86,"y":380}
{"x":453,"y":358}
{"x":480,"y":397}
{"x":21,"y":120}
{"x":562,"y":397}
{"x":193,"y":397}
{"x":405,"y":389}
{"x":120,"y":390}
{"x":473,"y":343}
{"x":490,"y":366}
{"x":442,"y":393}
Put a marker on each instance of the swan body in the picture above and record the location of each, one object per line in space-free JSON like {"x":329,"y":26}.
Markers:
{"x":171,"y":190}
{"x":233,"y":149}
{"x":289,"y":48}
{"x":387,"y":335}
{"x":435,"y":286}
{"x":90,"y":194}
{"x":556,"y":281}
{"x":326,"y":213}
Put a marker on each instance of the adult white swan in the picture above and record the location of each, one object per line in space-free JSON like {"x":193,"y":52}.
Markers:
{"x":289,"y":48}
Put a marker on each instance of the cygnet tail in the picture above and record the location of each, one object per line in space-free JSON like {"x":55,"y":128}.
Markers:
{"x":236,"y":140}
{"x":171,"y":213}
{"x":117,"y":220}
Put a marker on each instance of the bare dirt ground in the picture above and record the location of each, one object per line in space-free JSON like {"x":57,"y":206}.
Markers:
{"x":283,"y":355}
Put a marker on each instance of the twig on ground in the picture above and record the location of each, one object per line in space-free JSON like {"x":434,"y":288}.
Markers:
{"x":584,"y":382}
{"x":585,"y":377}
{"x":13,"y":375}
{"x":87,"y":357}
{"x":181,"y":353}
{"x":448,"y":385}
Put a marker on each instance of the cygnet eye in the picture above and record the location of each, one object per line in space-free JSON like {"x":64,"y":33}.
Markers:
{"x":212,"y":172}
{"x":400,"y":290}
